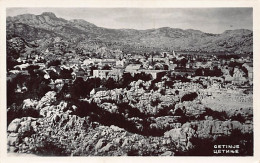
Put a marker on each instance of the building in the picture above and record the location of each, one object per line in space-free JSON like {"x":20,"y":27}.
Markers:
{"x":100,"y":73}
{"x":120,"y":63}
{"x":110,"y":62}
{"x":204,"y":64}
{"x":116,"y":74}
{"x":159,"y":59}
{"x":249,"y":67}
{"x":172,"y":66}
{"x":238,"y":76}
{"x":133,"y":68}
{"x":184,"y":71}
{"x":88,"y":62}
{"x":154,"y":73}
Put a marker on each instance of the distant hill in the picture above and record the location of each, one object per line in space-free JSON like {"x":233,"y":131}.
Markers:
{"x":36,"y":27}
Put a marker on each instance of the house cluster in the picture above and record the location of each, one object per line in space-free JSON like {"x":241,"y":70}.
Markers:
{"x":235,"y":71}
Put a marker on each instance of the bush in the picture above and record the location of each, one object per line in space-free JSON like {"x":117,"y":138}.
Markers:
{"x":54,"y":63}
{"x":220,"y":115}
{"x":17,"y":112}
{"x":163,"y":92}
{"x":189,"y":97}
{"x":49,"y":148}
{"x":238,"y":117}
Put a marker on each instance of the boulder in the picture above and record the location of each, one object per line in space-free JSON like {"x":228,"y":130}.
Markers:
{"x":14,"y":125}
{"x":25,"y":128}
{"x":175,"y":134}
{"x":12,"y":149}
{"x":44,"y":111}
{"x":62,"y":106}
{"x":74,"y":108}
{"x":99,"y":144}
{"x":46,"y":100}
{"x":168,"y":153}
{"x":126,"y":142}
{"x":115,"y":128}
{"x":107,"y":147}
{"x":34,"y":125}
{"x":236,"y":125}
{"x":26,"y":140}
{"x":247,"y":128}
{"x":13,"y":139}
{"x":29,"y":103}
{"x":189,"y":145}
{"x":55,"y":118}
{"x":72,"y":122}
{"x":117,"y":141}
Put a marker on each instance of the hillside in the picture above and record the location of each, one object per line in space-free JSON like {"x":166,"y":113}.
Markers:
{"x":35,"y":27}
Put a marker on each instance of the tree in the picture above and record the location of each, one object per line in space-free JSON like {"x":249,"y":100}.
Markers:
{"x":126,"y":80}
{"x":31,"y":68}
{"x":169,"y":83}
{"x":66,"y":73}
{"x":165,"y":67}
{"x":245,"y":71}
{"x":142,"y":76}
{"x":64,"y":90}
{"x":37,"y":86}
{"x":155,"y":102}
{"x":11,"y":86}
{"x":183,"y":62}
{"x":54,"y":63}
{"x":11,"y":63}
{"x":42,"y":89}
{"x":163,"y":92}
{"x":199,"y":72}
{"x":97,"y":82}
{"x":160,"y":76}
{"x":106,"y":67}
{"x":103,"y":82}
{"x":93,"y":68}
{"x":216,"y":72}
{"x":189,"y":96}
{"x":53,"y":75}
{"x":79,"y":88}
{"x":110,"y":83}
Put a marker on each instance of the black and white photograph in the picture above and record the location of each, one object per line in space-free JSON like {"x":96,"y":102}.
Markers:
{"x":129,"y":81}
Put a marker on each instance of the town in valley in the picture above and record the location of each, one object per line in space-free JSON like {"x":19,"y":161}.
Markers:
{"x":76,"y":89}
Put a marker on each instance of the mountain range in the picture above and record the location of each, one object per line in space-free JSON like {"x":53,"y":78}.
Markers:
{"x":80,"y":32}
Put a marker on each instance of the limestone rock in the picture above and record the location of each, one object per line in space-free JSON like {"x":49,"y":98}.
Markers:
{"x":46,"y":100}
{"x":99,"y":144}
{"x":168,"y":153}
{"x":29,"y":103}
{"x":107,"y":147}
{"x":13,"y":139}
{"x":14,"y":125}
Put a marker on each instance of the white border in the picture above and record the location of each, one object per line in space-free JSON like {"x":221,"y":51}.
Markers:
{"x":129,"y":4}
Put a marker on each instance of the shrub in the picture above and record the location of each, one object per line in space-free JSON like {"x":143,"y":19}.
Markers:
{"x":17,"y":112}
{"x":189,"y":97}
{"x":49,"y":148}
{"x":238,"y":117}
{"x":220,"y":115}
{"x":54,"y":63}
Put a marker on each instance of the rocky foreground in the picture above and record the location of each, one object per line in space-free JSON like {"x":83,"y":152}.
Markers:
{"x":102,"y":129}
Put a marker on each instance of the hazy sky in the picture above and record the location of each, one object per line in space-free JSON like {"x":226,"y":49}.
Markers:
{"x":212,"y":20}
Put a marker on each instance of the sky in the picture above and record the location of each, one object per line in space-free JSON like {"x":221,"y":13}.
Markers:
{"x":210,"y":20}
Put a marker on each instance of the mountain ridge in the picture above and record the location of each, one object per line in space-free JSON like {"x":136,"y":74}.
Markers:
{"x":231,"y":41}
